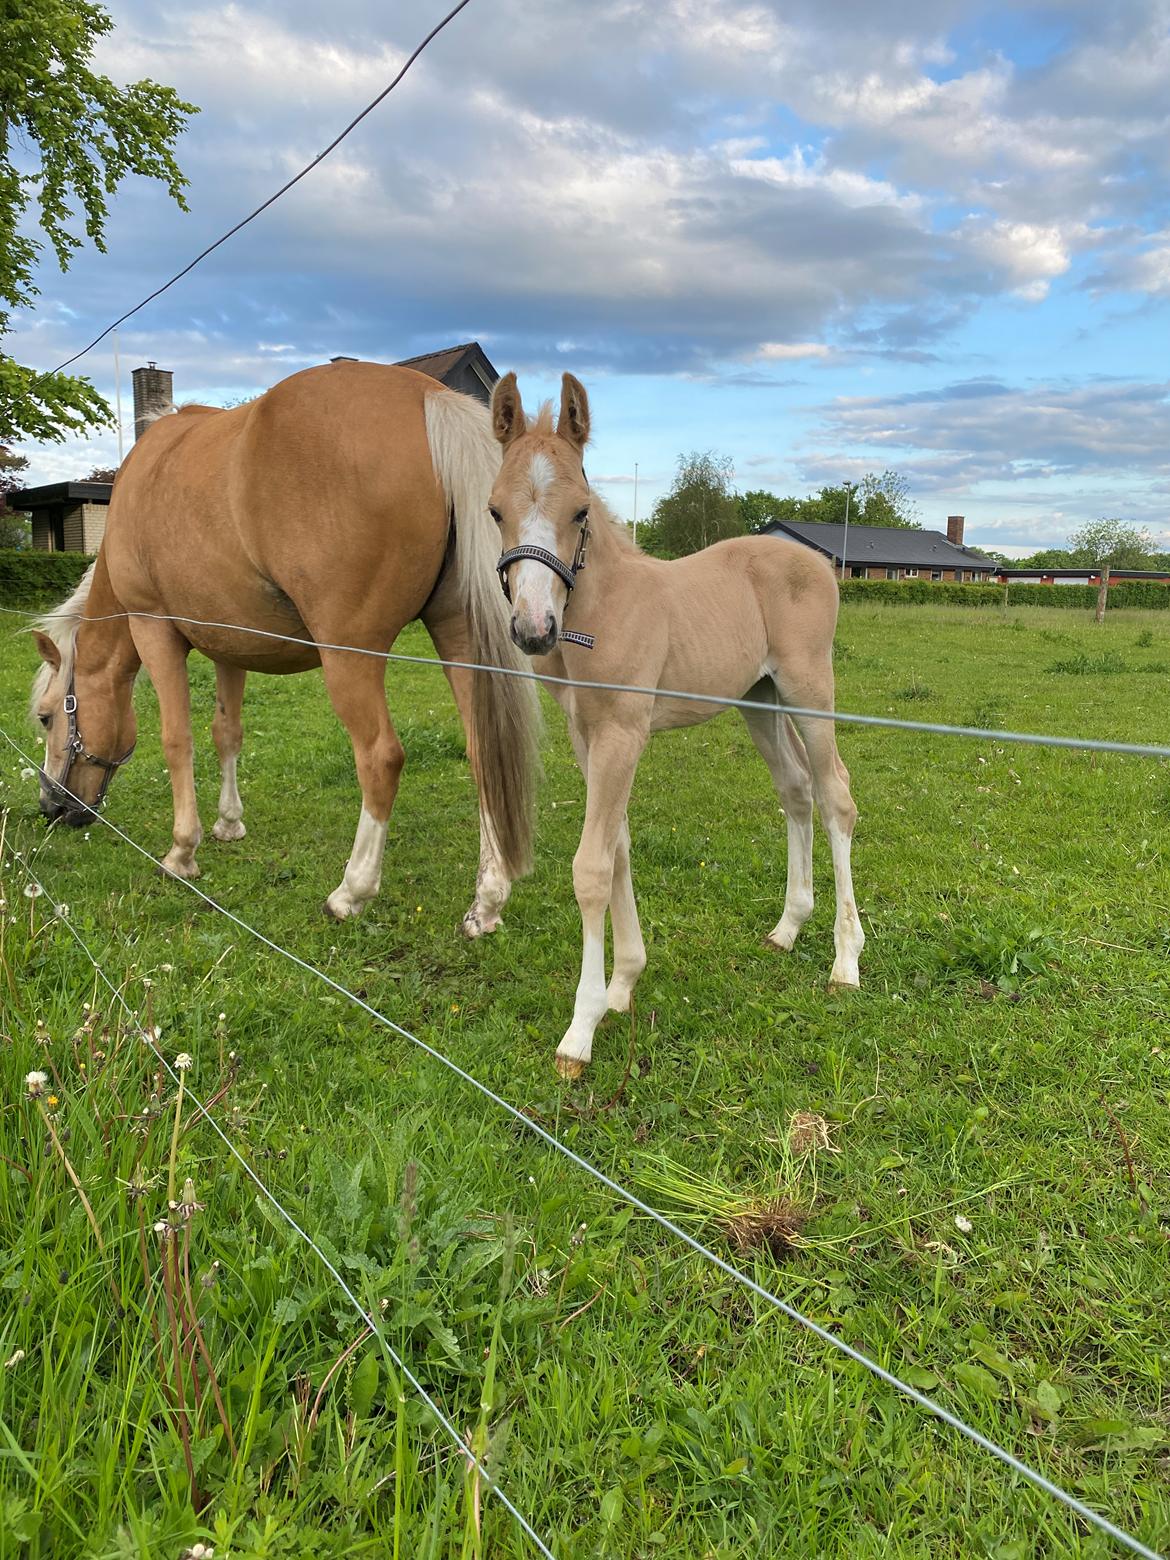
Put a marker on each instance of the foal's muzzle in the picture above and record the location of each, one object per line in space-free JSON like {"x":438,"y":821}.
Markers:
{"x":533,"y":643}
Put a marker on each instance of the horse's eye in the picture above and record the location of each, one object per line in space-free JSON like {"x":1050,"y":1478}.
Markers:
{"x":581,"y":516}
{"x":45,"y":720}
{"x":496,"y":515}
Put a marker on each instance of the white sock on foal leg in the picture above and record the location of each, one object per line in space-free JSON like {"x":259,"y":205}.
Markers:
{"x":848,"y":936}
{"x":798,"y":896}
{"x":576,"y":1049}
{"x":363,"y":871}
{"x":230,"y":823}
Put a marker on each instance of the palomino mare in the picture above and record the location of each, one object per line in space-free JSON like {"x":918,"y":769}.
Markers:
{"x":752,"y":616}
{"x":337,"y":507}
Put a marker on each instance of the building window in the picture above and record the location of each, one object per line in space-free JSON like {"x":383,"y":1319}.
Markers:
{"x":936,"y":574}
{"x":891,"y":574}
{"x":857,"y":571}
{"x":911,"y":574}
{"x":958,"y":576}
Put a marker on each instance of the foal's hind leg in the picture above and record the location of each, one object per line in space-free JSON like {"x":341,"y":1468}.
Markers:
{"x":356,"y":690}
{"x":812,"y":688}
{"x":783,"y":752}
{"x":229,"y":739}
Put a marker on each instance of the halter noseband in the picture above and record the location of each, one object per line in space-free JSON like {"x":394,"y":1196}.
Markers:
{"x":74,"y":750}
{"x":566,"y":572}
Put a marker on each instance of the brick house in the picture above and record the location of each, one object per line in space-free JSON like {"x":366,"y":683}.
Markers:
{"x":882,"y":552}
{"x":71,"y":516}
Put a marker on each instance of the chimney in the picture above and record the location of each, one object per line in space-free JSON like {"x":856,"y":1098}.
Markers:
{"x":955,"y":529}
{"x":153,"y":395}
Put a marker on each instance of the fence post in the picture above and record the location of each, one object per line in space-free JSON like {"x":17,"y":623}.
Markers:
{"x":1103,"y":593}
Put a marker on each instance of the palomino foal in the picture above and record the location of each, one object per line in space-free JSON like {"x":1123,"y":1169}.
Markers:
{"x":749,"y":617}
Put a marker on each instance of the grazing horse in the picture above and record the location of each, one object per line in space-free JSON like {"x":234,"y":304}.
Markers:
{"x":334,"y":509}
{"x":751,"y":617}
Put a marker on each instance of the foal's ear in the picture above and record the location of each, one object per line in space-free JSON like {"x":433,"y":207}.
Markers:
{"x":573,"y":423}
{"x":48,"y":650}
{"x":508,"y":419}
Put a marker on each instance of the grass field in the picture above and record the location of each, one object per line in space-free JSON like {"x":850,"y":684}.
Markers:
{"x":986,"y":1206}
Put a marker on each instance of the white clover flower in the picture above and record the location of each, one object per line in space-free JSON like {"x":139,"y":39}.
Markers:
{"x":963,"y":1224}
{"x":36,"y":1084}
{"x":183,"y":1061}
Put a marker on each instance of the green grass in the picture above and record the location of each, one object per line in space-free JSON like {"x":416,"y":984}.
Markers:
{"x":1007,"y":1062}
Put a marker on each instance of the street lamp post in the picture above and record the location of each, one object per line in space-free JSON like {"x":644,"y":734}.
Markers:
{"x":635,"y":501}
{"x":849,"y":486}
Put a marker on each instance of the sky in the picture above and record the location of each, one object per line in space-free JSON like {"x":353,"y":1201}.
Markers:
{"x":927,"y":235}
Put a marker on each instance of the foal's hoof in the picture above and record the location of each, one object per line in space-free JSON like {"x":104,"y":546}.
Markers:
{"x":569,"y":1067}
{"x":179,"y":867}
{"x":341,"y":907}
{"x":228,"y":829}
{"x":844,"y":983}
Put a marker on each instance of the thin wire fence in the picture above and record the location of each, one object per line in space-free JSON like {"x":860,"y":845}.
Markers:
{"x":954,"y":1421}
{"x":272,"y":199}
{"x":757,"y":706}
{"x":398,"y":1362}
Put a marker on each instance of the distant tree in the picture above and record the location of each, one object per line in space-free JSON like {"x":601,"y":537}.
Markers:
{"x":758,"y":507}
{"x":15,"y":531}
{"x":1113,"y":542}
{"x":885,"y":500}
{"x":79,"y":136}
{"x":1046,"y":558}
{"x":102,"y":474}
{"x":699,"y":509}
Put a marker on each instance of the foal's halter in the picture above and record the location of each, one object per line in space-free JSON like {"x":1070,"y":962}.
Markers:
{"x":74,"y":750}
{"x":567,"y":572}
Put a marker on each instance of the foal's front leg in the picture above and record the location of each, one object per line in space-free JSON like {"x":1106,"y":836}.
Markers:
{"x":612,"y":757}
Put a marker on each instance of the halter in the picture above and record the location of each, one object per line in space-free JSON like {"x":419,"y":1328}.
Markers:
{"x":566,"y":572}
{"x":74,"y":750}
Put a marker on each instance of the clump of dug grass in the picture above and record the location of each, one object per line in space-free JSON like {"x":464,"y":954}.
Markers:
{"x":747,"y":1222}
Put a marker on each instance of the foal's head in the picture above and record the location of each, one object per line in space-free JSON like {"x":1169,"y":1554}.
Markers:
{"x":540,"y":501}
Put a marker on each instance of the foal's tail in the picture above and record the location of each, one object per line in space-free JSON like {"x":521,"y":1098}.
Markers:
{"x":505,"y":711}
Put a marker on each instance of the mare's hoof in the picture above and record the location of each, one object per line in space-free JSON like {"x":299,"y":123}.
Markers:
{"x":569,"y":1067}
{"x":228,"y":829}
{"x":474,"y":925}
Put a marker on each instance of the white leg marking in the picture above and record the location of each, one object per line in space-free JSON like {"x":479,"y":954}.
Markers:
{"x":576,"y":1049}
{"x":629,"y":951}
{"x":798,"y":897}
{"x":848,"y":936}
{"x":230,"y":823}
{"x":363,"y":872}
{"x":492,"y":887}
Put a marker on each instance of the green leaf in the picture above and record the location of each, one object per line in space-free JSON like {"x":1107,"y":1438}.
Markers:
{"x":918,"y":1376}
{"x":611,"y":1505}
{"x":1047,"y":1399}
{"x":363,"y":1384}
{"x":981,"y":1383}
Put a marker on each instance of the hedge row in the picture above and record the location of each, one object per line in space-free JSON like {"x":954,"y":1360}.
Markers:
{"x":39,"y":579}
{"x":906,"y":593}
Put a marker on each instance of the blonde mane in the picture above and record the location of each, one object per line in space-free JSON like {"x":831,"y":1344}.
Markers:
{"x":61,"y":625}
{"x":541,"y":421}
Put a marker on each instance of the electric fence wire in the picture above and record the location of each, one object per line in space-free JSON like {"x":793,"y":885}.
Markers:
{"x":272,"y":199}
{"x":399,"y":1364}
{"x":757,"y":706}
{"x":1006,"y":1457}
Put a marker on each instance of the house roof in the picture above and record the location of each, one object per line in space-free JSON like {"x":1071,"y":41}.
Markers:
{"x":880,"y":544}
{"x":439,"y":365}
{"x":61,"y":493}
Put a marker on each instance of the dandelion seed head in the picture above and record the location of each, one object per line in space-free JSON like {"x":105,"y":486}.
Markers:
{"x":35,"y":1083}
{"x":963,"y":1224}
{"x":184,"y":1061}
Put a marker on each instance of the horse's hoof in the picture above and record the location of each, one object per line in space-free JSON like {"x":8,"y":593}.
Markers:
{"x":836,"y":983}
{"x":569,"y":1067}
{"x":186,"y":871}
{"x":226,"y":829}
{"x":474,"y":925}
{"x":341,"y":908}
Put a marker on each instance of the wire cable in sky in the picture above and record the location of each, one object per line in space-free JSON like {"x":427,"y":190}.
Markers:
{"x":272,"y":199}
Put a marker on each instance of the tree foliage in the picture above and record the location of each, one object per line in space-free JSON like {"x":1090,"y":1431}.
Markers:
{"x":1114,"y":542}
{"x":15,"y":531}
{"x":80,"y":137}
{"x":878,"y":499}
{"x":699,"y":509}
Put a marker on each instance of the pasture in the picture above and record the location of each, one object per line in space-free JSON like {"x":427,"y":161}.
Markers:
{"x":983,"y":1204}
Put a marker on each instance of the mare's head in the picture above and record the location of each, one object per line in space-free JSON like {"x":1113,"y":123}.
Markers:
{"x":540,"y":501}
{"x":86,"y":719}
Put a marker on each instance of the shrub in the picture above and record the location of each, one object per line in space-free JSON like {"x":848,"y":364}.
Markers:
{"x":39,"y":579}
{"x":906,"y":593}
